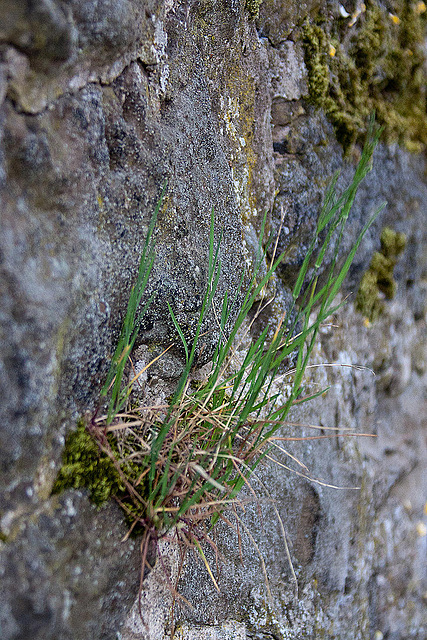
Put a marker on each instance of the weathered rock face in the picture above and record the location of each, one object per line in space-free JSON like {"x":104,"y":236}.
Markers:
{"x":101,"y":103}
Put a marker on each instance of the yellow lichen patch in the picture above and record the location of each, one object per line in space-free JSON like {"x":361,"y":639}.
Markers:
{"x":378,"y":279}
{"x":237,"y":112}
{"x":394,"y":18}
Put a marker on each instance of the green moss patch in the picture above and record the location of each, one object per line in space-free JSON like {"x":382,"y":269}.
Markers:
{"x":379,"y":277}
{"x":373,"y":61}
{"x":84,"y":466}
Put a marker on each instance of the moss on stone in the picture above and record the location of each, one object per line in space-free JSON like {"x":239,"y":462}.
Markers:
{"x":379,"y":277}
{"x":315,"y":41}
{"x":84,"y":466}
{"x":375,"y":64}
{"x":252,"y":7}
{"x":392,"y":243}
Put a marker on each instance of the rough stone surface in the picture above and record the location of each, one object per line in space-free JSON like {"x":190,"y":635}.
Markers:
{"x":100,"y":103}
{"x":62,"y":571}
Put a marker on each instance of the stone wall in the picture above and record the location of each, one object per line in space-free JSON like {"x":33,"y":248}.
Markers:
{"x":101,"y":103}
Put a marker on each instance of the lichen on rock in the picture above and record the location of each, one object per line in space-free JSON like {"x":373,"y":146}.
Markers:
{"x":252,"y":7}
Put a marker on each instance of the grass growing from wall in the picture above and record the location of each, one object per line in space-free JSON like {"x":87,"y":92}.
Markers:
{"x":181,"y":464}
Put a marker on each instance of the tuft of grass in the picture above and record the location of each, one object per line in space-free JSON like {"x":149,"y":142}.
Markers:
{"x":181,"y":464}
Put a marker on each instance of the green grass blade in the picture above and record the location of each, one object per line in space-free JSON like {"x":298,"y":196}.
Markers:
{"x":181,"y":335}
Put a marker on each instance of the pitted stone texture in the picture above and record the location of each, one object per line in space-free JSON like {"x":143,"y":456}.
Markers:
{"x":155,"y":601}
{"x":62,"y":571}
{"x":79,"y":184}
{"x":52,"y":47}
{"x":100,"y":103}
{"x":227,"y":631}
{"x":288,"y":72}
{"x":278,"y":18}
{"x":355,"y":575}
